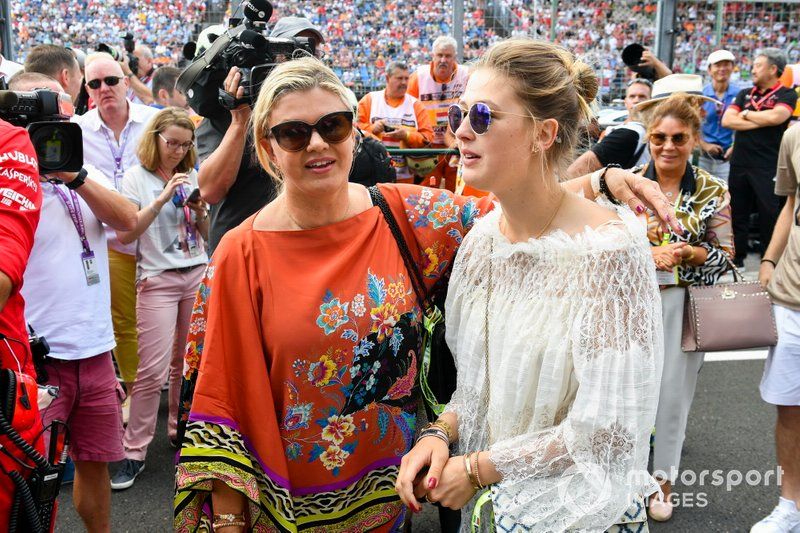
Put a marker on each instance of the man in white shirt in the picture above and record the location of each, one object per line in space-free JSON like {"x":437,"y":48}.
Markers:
{"x":68,"y":300}
{"x":7,"y":67}
{"x":111,"y":135}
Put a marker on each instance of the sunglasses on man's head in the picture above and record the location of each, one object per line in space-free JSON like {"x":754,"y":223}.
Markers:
{"x":108,"y":80}
{"x":295,"y":135}
{"x":660,"y":139}
{"x":643,"y":81}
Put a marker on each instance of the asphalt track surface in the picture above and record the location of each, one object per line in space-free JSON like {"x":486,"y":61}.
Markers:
{"x":730,"y":431}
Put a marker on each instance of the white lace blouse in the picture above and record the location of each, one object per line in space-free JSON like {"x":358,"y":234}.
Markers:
{"x":575,"y":358}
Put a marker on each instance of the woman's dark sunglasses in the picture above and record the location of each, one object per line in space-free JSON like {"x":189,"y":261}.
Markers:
{"x":480,"y":117}
{"x":295,"y":135}
{"x":660,"y":139}
{"x":108,"y":80}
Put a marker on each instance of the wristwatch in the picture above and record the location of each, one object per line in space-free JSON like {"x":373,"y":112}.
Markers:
{"x":79,"y":180}
{"x":744,"y":113}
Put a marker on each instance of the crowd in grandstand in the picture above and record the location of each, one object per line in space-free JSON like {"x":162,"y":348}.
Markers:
{"x":364,"y":35}
{"x":163,"y":25}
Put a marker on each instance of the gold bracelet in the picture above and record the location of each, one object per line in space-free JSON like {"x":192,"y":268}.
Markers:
{"x":477,"y":471}
{"x":220,"y":525}
{"x":228,"y":520}
{"x":468,"y":467}
{"x":687,"y":259}
{"x":445,"y":426}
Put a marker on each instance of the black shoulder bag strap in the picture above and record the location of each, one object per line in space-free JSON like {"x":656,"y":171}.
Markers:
{"x":408,"y":260}
{"x":437,"y":375}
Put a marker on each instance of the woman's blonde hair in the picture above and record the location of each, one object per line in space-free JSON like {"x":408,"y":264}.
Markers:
{"x":680,"y":106}
{"x":551,"y":83}
{"x":301,"y":74}
{"x":148,"y":144}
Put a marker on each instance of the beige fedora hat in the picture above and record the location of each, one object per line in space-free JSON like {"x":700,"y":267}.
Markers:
{"x":689,"y":84}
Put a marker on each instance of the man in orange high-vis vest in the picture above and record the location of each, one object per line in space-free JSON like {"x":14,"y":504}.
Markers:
{"x":396,"y":118}
{"x":438,"y":85}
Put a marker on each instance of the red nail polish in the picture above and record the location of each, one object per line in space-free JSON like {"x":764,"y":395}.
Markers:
{"x":639,"y":209}
{"x":432,"y":483}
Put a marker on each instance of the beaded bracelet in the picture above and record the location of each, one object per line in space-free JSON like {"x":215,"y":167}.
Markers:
{"x":603,"y":186}
{"x":228,"y":520}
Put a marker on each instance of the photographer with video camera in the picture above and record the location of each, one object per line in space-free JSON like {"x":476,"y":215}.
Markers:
{"x":138,"y":90}
{"x":230,"y":178}
{"x":20,"y":203}
{"x":71,"y":309}
{"x":111,"y":133}
{"x":60,"y":64}
{"x":222,"y":84}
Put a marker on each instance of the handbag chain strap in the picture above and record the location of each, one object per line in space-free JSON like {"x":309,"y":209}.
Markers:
{"x":486,"y":392}
{"x":737,"y":274}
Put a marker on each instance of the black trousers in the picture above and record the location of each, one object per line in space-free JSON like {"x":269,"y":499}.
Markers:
{"x":753,"y":191}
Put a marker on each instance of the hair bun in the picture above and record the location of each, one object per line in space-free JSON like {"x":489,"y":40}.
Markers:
{"x":585,"y":80}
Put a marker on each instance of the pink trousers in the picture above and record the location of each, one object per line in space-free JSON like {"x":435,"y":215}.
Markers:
{"x":163,"y":309}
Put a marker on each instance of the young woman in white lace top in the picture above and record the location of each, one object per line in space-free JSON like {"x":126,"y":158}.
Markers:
{"x":552,"y":315}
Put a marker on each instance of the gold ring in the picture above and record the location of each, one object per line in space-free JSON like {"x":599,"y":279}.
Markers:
{"x":428,"y":499}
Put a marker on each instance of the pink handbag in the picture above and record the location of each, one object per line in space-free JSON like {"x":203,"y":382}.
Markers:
{"x":728,"y":316}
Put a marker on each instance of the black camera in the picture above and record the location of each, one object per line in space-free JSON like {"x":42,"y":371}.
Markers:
{"x":129,"y":45}
{"x":46,"y":114}
{"x":244,"y":46}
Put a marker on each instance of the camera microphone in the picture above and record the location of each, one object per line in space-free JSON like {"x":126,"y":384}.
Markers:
{"x":257,"y":10}
{"x":8,"y":99}
{"x":253,"y":38}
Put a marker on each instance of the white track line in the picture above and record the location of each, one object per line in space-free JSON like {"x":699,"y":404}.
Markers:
{"x":743,"y":355}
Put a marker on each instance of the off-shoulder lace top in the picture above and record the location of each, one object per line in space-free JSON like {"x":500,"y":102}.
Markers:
{"x":575,"y":357}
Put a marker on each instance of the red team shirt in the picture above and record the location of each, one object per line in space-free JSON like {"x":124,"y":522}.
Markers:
{"x":20,"y":202}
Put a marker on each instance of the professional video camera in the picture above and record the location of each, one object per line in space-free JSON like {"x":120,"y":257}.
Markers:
{"x":46,"y":114}
{"x":129,"y":44}
{"x":245,"y":46}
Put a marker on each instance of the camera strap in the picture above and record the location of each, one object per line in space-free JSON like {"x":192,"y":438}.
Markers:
{"x":88,"y":259}
{"x":117,"y":152}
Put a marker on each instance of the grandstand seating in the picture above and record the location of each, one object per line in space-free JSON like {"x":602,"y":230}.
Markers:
{"x":364,"y":35}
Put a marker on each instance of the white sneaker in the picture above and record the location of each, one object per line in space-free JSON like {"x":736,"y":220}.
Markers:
{"x":785,"y":518}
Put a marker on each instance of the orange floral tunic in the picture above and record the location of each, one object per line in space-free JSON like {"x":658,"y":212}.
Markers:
{"x":306,"y":395}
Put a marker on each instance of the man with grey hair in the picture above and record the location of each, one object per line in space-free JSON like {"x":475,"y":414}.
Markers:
{"x":395,"y":117}
{"x":759,"y":116}
{"x":142,"y":93}
{"x":438,"y":85}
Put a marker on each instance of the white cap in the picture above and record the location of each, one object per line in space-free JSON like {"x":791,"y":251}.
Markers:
{"x":720,"y":55}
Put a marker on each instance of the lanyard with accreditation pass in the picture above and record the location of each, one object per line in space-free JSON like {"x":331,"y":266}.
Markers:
{"x":757,"y":104}
{"x":117,"y":152}
{"x":668,"y":277}
{"x":87,"y":255}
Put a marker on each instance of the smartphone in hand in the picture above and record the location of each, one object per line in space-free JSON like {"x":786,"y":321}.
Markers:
{"x":193,"y":197}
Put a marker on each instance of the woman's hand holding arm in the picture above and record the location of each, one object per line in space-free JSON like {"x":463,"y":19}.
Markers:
{"x":636,"y":191}
{"x":420,"y":470}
